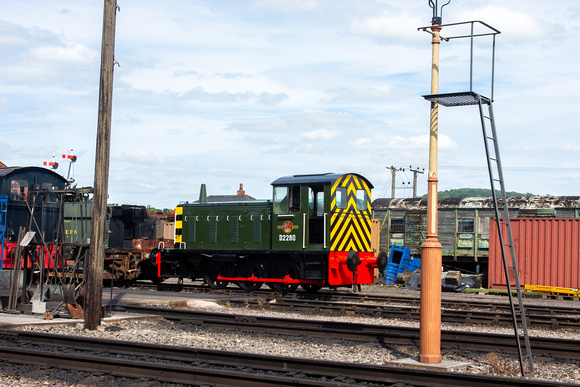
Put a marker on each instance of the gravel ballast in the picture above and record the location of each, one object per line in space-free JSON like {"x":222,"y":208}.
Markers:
{"x":171,"y":333}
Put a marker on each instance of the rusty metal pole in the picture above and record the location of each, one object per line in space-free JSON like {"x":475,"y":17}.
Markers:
{"x":431,"y":250}
{"x":94,"y":275}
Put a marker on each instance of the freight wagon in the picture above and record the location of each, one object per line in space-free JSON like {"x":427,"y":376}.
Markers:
{"x":463,"y":224}
{"x":547,"y":252}
{"x":131,"y":235}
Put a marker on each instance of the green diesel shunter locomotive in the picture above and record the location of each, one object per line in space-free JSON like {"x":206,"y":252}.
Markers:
{"x":315,"y":232}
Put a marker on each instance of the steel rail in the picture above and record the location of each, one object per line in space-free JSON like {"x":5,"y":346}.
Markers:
{"x":413,"y":312}
{"x":188,"y":375}
{"x":502,"y":305}
{"x":383,"y":334}
{"x":202,"y":366}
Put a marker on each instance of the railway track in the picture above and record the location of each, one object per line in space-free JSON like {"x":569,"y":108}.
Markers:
{"x":501,"y":305}
{"x":388,"y":335}
{"x":452,"y":315}
{"x":193,"y":366}
{"x":402,"y":307}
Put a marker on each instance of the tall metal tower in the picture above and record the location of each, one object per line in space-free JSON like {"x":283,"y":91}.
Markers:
{"x":431,"y":249}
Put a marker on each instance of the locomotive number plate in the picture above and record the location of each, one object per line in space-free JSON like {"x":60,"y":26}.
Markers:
{"x":287,"y":238}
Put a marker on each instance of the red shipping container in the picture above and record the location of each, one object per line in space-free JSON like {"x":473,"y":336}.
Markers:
{"x":547,"y":251}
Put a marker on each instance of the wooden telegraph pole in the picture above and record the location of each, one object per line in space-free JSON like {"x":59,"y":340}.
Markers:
{"x":94,"y":275}
{"x":415,"y":172}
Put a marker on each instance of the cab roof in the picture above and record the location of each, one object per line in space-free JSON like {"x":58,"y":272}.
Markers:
{"x":5,"y":172}
{"x":322,"y":178}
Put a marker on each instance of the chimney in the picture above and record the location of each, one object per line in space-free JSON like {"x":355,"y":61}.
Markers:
{"x":241,"y":191}
{"x":203,"y":194}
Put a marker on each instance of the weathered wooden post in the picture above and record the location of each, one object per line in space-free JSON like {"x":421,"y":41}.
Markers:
{"x":94,"y":275}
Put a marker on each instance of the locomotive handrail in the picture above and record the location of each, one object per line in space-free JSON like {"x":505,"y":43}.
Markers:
{"x":325,"y":215}
{"x":304,"y":230}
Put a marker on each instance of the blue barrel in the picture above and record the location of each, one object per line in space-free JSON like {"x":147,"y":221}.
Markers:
{"x":399,"y":259}
{"x":391,"y":272}
{"x":405,"y":261}
{"x":414,"y":264}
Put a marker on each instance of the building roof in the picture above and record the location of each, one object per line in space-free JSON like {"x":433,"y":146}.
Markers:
{"x":229,"y":198}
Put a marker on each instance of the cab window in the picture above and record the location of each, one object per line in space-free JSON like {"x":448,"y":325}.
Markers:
{"x":341,"y":198}
{"x":18,"y":190}
{"x":286,"y":200}
{"x":361,"y":199}
{"x":280,"y":200}
{"x":316,"y":200}
{"x":320,"y":204}
{"x":310,"y":199}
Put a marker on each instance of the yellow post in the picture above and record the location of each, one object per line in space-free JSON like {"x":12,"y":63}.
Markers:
{"x":431,"y":250}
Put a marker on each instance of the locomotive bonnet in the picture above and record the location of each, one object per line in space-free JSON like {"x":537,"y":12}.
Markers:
{"x":315,"y":232}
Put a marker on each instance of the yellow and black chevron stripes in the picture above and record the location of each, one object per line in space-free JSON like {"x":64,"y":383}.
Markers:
{"x":350,"y":224}
{"x":178,"y":224}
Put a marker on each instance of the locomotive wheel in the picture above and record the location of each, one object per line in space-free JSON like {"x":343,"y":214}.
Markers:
{"x":211,"y":272}
{"x":285,"y":268}
{"x":311,"y":288}
{"x":247,"y":269}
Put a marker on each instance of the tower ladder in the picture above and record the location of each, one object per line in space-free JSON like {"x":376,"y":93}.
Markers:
{"x":510,"y":266}
{"x":496,"y":177}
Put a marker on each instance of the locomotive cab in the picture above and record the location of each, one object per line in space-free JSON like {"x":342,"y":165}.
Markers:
{"x":330,"y":213}
{"x":299,"y":216}
{"x":31,"y":205}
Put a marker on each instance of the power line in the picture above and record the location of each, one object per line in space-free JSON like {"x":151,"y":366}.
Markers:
{"x":518,"y":169}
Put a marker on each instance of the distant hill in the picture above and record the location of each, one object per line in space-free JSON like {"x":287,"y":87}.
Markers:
{"x":474,"y":192}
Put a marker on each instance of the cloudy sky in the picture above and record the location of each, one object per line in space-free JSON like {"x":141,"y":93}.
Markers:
{"x":225,"y":92}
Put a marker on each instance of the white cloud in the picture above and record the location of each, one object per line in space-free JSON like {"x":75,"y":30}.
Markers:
{"x":514,"y":25}
{"x":236,"y":92}
{"x":70,"y":53}
{"x":320,"y":135}
{"x":139,"y":156}
{"x":390,"y":28}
